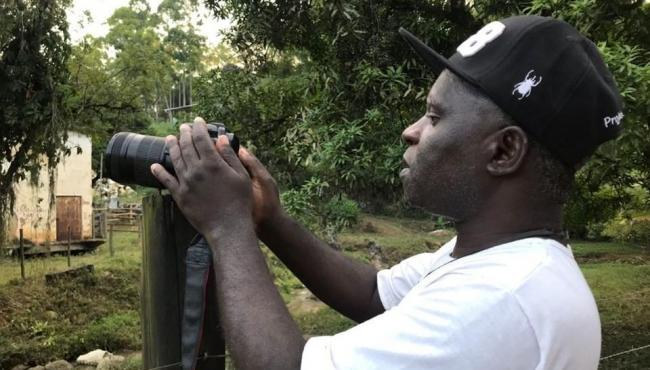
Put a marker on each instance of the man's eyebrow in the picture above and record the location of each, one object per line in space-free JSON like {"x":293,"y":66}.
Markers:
{"x":434,"y":105}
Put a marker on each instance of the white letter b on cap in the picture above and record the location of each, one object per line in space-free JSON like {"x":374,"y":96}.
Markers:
{"x":478,"y":40}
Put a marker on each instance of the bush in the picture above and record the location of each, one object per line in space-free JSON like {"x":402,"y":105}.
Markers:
{"x":114,"y":332}
{"x":629,"y":229}
{"x":342,"y":212}
{"x":311,"y":205}
{"x":589,"y":209}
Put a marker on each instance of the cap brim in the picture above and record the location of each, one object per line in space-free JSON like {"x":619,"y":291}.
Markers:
{"x":431,"y":58}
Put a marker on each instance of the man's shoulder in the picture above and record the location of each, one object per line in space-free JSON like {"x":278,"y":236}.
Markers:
{"x":507,"y":266}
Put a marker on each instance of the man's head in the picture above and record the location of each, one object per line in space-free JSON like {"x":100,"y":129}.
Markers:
{"x":464,"y":147}
{"x":521,"y":105}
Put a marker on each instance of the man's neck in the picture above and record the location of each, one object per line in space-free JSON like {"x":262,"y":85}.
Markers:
{"x":504,"y":223}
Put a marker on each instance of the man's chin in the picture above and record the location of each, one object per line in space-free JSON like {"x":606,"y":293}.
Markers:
{"x":419,"y":204}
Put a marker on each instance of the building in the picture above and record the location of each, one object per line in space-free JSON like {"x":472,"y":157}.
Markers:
{"x":71,"y":209}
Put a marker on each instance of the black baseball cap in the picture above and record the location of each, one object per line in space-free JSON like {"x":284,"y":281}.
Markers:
{"x":542,"y":72}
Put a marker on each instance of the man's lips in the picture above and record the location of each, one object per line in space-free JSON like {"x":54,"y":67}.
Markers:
{"x":405,"y":168}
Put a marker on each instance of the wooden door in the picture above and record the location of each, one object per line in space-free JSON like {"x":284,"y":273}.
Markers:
{"x":68,"y":214}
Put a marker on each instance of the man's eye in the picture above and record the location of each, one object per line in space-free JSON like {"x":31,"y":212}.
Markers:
{"x":432,"y":117}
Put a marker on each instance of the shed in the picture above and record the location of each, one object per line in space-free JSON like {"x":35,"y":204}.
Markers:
{"x":72,"y":204}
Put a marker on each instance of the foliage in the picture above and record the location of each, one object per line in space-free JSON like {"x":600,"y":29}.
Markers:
{"x":588,"y":209}
{"x":33,"y":54}
{"x":258,"y":108}
{"x":342,"y":211}
{"x":629,"y":230}
{"x":122,"y":82}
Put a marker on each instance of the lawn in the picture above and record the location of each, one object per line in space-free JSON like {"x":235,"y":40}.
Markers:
{"x":39,"y":322}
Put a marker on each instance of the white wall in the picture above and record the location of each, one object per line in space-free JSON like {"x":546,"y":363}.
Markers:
{"x":73,"y":177}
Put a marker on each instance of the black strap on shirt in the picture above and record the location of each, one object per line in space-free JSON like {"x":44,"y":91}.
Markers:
{"x":198,"y":263}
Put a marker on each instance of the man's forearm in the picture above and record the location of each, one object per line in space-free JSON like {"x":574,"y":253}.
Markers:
{"x":346,"y":285}
{"x":255,"y":320}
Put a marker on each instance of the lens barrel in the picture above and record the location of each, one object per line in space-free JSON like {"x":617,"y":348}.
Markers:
{"x":129,"y":156}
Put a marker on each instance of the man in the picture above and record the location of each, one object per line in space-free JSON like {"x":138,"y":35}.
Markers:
{"x":514,"y":112}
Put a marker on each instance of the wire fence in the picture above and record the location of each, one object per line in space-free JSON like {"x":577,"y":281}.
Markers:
{"x":625,"y":352}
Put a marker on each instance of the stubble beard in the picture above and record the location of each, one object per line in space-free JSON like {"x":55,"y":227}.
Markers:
{"x":456,"y":196}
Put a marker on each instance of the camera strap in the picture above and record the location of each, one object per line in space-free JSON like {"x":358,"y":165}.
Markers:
{"x":198,"y":263}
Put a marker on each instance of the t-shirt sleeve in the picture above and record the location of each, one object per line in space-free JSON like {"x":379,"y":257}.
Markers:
{"x":394,"y":283}
{"x":439,"y":327}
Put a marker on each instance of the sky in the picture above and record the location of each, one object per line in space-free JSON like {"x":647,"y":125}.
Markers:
{"x":100,"y":10}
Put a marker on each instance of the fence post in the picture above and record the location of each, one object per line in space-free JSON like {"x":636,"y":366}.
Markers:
{"x":166,"y":236}
{"x":69,"y":237}
{"x":139,"y":221}
{"x":110,"y":239}
{"x":22,"y":255}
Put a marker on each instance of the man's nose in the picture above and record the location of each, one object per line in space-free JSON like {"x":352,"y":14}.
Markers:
{"x":411,"y":135}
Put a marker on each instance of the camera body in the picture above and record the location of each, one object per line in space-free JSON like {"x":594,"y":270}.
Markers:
{"x":129,"y":156}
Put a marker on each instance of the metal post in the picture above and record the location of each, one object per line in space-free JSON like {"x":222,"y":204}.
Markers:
{"x":69,"y":237}
{"x":166,"y":237}
{"x":110,"y":239}
{"x":22,"y":255}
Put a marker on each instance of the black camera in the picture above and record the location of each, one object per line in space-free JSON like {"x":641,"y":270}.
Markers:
{"x":129,"y":156}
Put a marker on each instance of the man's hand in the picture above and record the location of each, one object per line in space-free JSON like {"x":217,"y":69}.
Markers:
{"x":211,"y":187}
{"x":266,"y":198}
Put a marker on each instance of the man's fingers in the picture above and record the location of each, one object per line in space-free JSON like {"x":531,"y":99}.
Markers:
{"x":202,"y":140}
{"x":252,"y":164}
{"x":165,"y":178}
{"x":229,"y":155}
{"x":187,"y":146}
{"x":175,"y":154}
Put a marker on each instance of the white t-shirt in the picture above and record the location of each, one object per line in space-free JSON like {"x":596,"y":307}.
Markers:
{"x":520,"y":305}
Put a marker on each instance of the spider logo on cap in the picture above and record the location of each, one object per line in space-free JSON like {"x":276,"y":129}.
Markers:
{"x":524,"y":87}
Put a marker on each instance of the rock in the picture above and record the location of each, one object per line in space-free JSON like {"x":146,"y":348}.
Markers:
{"x":93,"y":357}
{"x":58,"y":365}
{"x":84,"y":367}
{"x":441,"y":233}
{"x":37,"y":368}
{"x":51,"y":315}
{"x":111,"y":362}
{"x":20,"y":367}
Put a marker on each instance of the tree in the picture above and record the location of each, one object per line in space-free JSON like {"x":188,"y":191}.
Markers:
{"x":34,"y":50}
{"x":123,"y":82}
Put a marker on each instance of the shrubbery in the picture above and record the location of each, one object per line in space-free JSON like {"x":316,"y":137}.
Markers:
{"x":320,"y":211}
{"x":629,"y":230}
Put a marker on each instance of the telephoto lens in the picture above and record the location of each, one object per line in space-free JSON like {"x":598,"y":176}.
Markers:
{"x":129,"y":156}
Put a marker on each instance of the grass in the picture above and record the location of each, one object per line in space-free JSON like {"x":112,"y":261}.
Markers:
{"x":39,"y":323}
{"x":127,"y":255}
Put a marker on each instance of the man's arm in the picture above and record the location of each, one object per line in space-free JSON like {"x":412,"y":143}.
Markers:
{"x":259,"y":330}
{"x":346,"y":285}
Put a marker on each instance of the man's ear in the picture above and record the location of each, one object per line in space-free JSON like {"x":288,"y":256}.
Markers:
{"x":508,"y":148}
